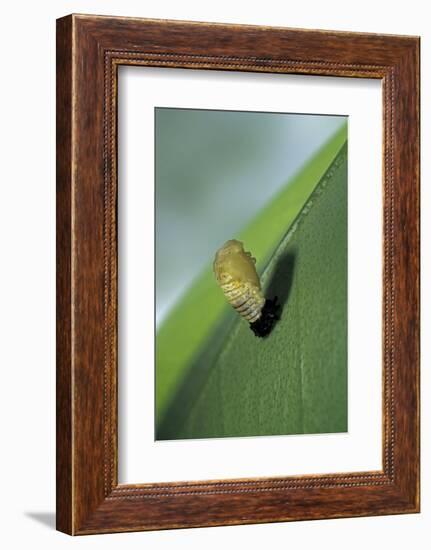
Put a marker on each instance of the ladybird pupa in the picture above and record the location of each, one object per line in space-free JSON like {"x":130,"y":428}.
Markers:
{"x":236,"y":274}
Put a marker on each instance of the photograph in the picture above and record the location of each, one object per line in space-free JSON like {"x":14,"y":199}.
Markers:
{"x":215,"y":256}
{"x":251,"y":219}
{"x":237,"y":272}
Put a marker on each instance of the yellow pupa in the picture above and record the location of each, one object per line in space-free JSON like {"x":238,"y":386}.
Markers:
{"x":235,"y":271}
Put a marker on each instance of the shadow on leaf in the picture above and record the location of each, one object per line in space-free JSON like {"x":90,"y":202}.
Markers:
{"x":280,"y":282}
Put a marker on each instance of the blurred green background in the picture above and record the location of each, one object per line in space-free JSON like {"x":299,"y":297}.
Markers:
{"x":278,"y":182}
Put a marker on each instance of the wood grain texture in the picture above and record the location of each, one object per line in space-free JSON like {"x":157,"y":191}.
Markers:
{"x":63,"y":289}
{"x":89,"y":499}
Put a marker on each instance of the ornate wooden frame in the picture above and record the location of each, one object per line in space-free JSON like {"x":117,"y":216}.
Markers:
{"x":89,"y":51}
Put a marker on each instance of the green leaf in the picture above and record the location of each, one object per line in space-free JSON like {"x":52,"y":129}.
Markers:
{"x":192,"y":345}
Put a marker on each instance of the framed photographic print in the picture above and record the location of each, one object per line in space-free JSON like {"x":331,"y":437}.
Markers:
{"x":237,"y":274}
